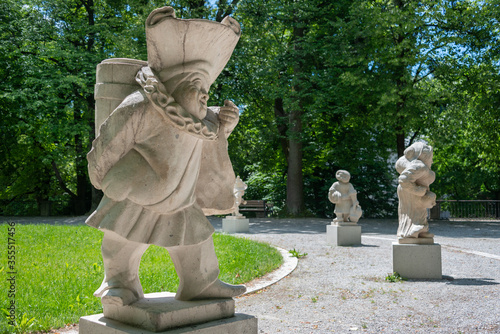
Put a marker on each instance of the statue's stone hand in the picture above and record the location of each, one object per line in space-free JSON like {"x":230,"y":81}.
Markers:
{"x":429,"y":199}
{"x":229,"y":115}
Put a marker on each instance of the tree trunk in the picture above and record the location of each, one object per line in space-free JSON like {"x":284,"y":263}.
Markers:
{"x":295,"y":182}
{"x":282,"y":125}
{"x":400,"y":143}
{"x":95,"y":194}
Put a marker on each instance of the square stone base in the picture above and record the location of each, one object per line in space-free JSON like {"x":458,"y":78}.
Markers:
{"x":158,"y":312}
{"x":343,"y":235}
{"x":239,"y":323}
{"x":417,"y":261}
{"x":235,"y":225}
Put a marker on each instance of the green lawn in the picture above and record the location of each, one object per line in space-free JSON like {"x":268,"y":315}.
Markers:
{"x":59,"y":267}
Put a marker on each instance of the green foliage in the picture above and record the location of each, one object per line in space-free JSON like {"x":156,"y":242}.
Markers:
{"x":467,"y":136}
{"x":21,"y":326}
{"x":297,"y":254}
{"x":374,"y":77}
{"x":51,"y":50}
{"x":322,"y":85}
{"x":394,"y":278}
{"x":59,"y":267}
{"x":333,"y":136}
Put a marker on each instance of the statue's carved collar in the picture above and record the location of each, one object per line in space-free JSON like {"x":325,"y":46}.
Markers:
{"x":171,"y":110}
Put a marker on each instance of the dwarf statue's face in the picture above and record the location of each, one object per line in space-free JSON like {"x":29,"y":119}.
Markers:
{"x":343,"y":176}
{"x":192,"y":95}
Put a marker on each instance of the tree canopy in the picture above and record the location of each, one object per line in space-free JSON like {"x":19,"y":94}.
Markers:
{"x":322,"y":85}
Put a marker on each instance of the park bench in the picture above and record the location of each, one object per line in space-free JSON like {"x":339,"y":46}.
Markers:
{"x":260,"y":207}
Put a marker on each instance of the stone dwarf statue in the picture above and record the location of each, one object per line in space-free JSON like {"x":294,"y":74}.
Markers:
{"x":239,"y":191}
{"x":161,"y":160}
{"x":343,"y":195}
{"x":414,"y":195}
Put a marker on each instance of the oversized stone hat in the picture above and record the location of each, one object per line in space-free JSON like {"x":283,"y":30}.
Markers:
{"x":177,"y":47}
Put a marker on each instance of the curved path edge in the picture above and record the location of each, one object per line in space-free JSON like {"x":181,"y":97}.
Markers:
{"x":289,"y":265}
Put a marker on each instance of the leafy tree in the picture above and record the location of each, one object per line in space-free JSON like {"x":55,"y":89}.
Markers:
{"x":466,"y":132}
{"x":467,"y":135}
{"x":404,"y":64}
{"x":322,"y":86}
{"x":50,"y":51}
{"x":295,"y":127}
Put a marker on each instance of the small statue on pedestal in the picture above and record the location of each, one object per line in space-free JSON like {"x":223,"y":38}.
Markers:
{"x":239,"y":191}
{"x":343,"y":195}
{"x":414,"y":194}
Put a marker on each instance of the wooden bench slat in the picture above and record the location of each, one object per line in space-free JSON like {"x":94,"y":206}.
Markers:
{"x":254,"y":206}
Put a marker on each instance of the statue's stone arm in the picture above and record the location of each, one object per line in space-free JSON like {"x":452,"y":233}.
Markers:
{"x":116,"y":138}
{"x":407,"y":179}
{"x":353,"y":195}
{"x":333,"y":194}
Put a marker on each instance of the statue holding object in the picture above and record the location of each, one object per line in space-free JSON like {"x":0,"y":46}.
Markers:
{"x":160,"y":157}
{"x":414,"y":193}
{"x":343,"y":195}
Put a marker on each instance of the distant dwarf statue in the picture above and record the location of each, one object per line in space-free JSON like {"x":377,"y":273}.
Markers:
{"x":343,"y":195}
{"x":414,"y":194}
{"x":161,"y":160}
{"x":239,"y":191}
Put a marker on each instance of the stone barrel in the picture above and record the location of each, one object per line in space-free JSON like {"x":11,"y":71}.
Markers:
{"x":115,"y":80}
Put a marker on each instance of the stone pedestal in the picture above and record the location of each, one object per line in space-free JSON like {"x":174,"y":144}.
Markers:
{"x":239,"y":323}
{"x":418,"y":261}
{"x":162,"y":313}
{"x":233,"y":224}
{"x":343,"y":234}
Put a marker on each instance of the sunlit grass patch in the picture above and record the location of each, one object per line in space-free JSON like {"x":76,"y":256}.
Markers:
{"x":57,"y":269}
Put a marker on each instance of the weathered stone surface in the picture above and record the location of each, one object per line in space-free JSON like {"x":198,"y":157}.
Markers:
{"x":414,"y":193}
{"x":160,"y":157}
{"x":240,"y":323}
{"x":343,"y":195}
{"x":343,"y":234}
{"x":233,"y":224}
{"x":161,"y":311}
{"x":239,"y":191}
{"x":417,"y":261}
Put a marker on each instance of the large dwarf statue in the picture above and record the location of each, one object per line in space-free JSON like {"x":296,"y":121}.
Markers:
{"x":161,"y":160}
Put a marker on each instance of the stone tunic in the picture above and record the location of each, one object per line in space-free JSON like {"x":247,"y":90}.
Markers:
{"x":342,"y":194}
{"x":149,"y":170}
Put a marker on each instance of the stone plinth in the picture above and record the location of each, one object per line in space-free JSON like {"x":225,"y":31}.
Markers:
{"x":239,"y":323}
{"x":343,"y":234}
{"x":419,"y":261}
{"x":232,"y":224}
{"x":158,"y":312}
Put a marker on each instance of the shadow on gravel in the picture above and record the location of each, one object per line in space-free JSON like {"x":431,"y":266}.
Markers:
{"x":441,"y":228}
{"x":458,"y":281}
{"x":473,"y":281}
{"x":362,"y":245}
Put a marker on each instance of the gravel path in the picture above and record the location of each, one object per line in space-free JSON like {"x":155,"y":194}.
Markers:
{"x":343,"y":289}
